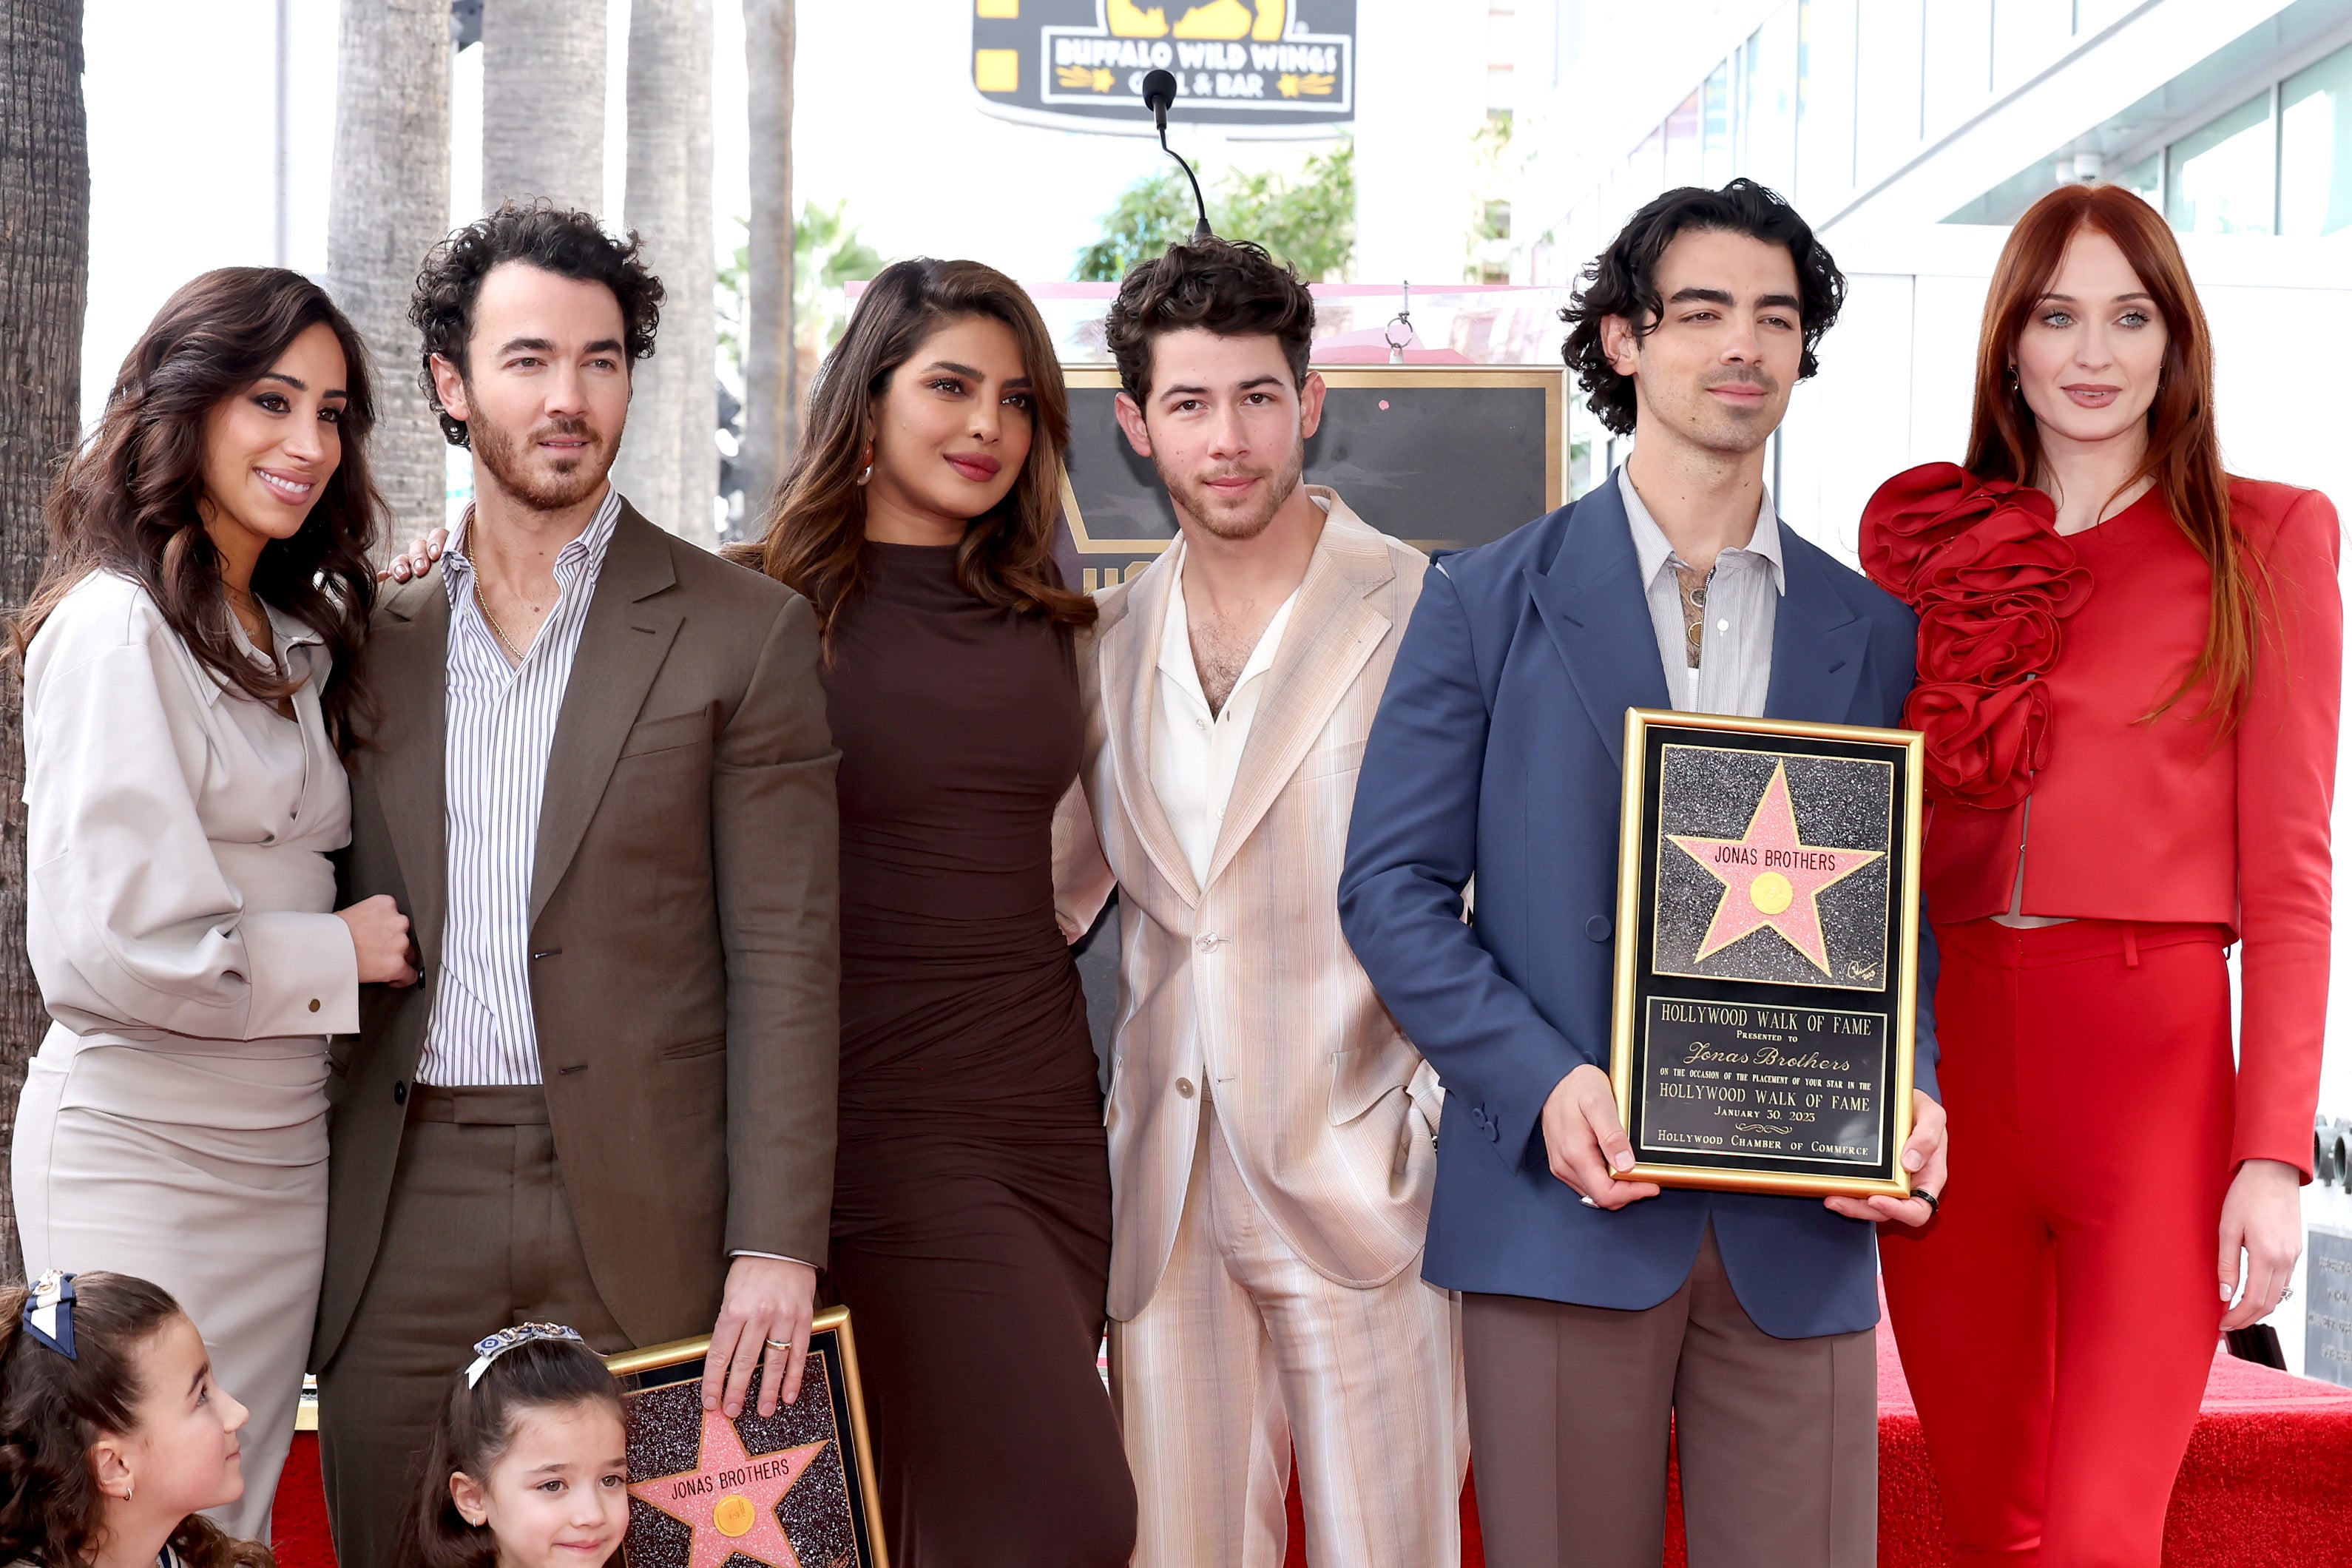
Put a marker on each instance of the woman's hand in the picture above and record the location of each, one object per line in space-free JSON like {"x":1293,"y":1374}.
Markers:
{"x":417,"y":558}
{"x":2262,"y":1218}
{"x":379,"y":936}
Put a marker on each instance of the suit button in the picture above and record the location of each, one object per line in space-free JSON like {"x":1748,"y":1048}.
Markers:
{"x":314,"y":1003}
{"x":400,"y":1094}
{"x":1598,"y":928}
{"x":1184,"y":1086}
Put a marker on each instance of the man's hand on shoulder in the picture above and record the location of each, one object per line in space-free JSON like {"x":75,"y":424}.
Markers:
{"x":1586,"y":1142}
{"x":763,"y":1322}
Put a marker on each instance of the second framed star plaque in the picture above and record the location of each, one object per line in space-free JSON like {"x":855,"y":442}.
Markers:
{"x":795,"y":1489}
{"x":1768,"y":930}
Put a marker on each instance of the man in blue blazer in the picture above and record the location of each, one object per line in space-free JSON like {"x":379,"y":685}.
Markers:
{"x":1595,"y":1309}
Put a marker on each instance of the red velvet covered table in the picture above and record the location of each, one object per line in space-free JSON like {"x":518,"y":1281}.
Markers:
{"x":2267,"y":1482}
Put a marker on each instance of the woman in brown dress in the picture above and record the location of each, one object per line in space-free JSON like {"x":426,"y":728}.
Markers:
{"x":971,"y":1200}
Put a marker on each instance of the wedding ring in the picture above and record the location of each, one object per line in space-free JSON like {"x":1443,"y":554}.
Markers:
{"x":2285,"y":1294}
{"x":1934,"y":1205}
{"x":780,"y":1344}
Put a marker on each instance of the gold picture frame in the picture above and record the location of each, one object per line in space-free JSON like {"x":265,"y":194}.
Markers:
{"x":845,"y":1477}
{"x":1771,"y":1043}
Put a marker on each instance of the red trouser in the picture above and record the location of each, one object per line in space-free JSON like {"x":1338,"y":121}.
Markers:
{"x":2057,"y":1319}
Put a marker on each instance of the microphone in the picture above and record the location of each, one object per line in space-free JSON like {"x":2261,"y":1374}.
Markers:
{"x":1159,"y":96}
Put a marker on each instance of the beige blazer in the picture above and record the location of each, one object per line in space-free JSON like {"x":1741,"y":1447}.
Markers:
{"x":1242,"y":985}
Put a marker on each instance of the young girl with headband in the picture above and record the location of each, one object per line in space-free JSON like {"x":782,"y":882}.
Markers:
{"x":113,"y":1434}
{"x":529,"y":1466}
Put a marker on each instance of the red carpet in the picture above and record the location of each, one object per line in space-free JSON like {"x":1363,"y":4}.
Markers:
{"x":2267,"y":1483}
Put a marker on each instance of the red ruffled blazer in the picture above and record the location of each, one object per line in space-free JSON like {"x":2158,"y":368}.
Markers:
{"x":2040,"y":658}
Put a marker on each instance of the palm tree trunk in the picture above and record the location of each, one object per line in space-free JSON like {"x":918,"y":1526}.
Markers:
{"x":668,"y":463}
{"x":44,"y":283}
{"x":390,"y":205}
{"x":543,"y":103}
{"x":771,"y":404}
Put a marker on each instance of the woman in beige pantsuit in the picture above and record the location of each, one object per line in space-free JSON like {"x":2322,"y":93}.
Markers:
{"x":186,"y":682}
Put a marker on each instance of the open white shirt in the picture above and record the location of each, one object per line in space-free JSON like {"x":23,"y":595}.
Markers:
{"x":1195,"y":752}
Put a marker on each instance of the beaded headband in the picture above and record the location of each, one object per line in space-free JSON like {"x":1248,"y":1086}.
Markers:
{"x":49,"y":1313}
{"x":489,"y":1350}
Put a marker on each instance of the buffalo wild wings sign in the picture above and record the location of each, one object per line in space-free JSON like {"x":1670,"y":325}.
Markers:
{"x":1080,"y":64}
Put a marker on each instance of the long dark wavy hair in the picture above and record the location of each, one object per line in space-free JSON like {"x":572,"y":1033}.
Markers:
{"x":52,"y":1410}
{"x":816,"y":523}
{"x":477,"y":1428}
{"x":2184,"y":444}
{"x":127,"y":500}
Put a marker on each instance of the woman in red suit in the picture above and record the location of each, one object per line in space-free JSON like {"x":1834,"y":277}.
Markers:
{"x":2129,"y":667}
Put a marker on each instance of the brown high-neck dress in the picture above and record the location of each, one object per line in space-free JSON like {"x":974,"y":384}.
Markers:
{"x":972,"y":1203}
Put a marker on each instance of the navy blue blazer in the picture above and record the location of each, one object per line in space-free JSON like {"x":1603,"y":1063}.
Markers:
{"x":1497,"y":754}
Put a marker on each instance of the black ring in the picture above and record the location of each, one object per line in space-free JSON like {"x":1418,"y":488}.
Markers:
{"x":1935,"y":1204}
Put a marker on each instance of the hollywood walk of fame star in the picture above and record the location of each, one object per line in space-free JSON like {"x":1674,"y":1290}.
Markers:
{"x":1770,"y":878}
{"x":730,"y":1498}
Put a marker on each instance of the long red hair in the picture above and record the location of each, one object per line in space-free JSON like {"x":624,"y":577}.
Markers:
{"x":2184,"y":451}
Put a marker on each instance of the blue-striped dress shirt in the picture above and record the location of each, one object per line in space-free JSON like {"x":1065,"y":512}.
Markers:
{"x":501,"y":724}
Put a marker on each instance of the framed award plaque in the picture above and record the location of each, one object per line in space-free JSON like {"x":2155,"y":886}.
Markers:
{"x":795,"y":1489}
{"x":1768,"y":931}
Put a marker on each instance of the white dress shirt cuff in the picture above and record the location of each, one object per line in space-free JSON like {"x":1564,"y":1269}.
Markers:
{"x":304,"y":972}
{"x":745,"y":1252}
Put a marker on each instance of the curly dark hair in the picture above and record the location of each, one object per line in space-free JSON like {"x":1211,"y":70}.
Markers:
{"x":126,"y":502}
{"x":1622,"y":281}
{"x":52,"y":1410}
{"x":1230,"y":288}
{"x":539,"y":234}
{"x":477,"y":1428}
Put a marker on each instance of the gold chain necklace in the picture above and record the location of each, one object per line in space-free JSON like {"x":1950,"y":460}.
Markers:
{"x":482,"y":602}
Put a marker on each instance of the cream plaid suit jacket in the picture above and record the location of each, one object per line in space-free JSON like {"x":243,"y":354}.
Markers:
{"x":1242,"y":986}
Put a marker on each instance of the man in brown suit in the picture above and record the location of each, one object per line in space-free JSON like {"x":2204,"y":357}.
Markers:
{"x":599,"y":778}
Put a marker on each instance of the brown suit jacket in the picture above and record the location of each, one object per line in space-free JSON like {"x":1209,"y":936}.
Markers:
{"x":685,"y":930}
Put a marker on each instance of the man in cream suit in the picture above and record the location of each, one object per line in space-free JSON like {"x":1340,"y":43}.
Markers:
{"x":1271,"y":1131}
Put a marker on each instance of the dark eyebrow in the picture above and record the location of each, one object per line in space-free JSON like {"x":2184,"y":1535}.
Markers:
{"x":2070,"y":299}
{"x":538,"y":345}
{"x":1701,"y":296}
{"x":604,"y":346}
{"x":296,"y":382}
{"x":1781,"y":302}
{"x":954,"y":369}
{"x":1251,"y":385}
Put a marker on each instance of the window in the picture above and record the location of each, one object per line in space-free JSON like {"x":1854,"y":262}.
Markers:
{"x":1715,"y":128}
{"x":1768,"y":105}
{"x":2219,"y":180}
{"x":1682,"y":145}
{"x":2144,"y":179}
{"x":1958,"y":71}
{"x":2315,"y":148}
{"x":1825,"y":83}
{"x":1886,"y":85}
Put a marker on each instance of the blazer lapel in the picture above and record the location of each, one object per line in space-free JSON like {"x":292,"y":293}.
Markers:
{"x":621,"y":649}
{"x":408,"y":666}
{"x":1818,"y":642}
{"x":1592,"y":602}
{"x":1130,"y":667}
{"x":1332,"y":631}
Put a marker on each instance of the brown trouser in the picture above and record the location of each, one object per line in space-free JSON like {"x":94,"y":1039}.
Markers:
{"x":1568,"y":1413}
{"x":477,"y":1236}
